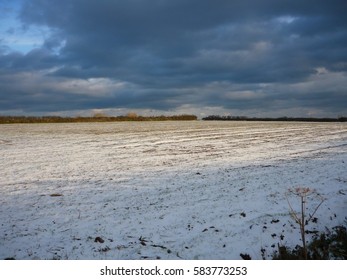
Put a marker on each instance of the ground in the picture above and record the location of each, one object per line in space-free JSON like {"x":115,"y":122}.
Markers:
{"x":164,"y":190}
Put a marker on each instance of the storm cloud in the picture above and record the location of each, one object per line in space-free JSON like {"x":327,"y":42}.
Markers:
{"x":256,"y":58}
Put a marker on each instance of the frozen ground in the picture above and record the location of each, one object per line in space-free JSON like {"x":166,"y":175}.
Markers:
{"x":169,"y":190}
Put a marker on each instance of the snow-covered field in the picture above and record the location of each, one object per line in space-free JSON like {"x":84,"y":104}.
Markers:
{"x":168,"y":190}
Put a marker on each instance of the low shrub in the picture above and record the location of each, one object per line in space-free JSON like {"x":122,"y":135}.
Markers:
{"x":330,"y":245}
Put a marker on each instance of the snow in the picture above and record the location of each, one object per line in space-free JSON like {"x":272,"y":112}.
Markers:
{"x":168,"y":190}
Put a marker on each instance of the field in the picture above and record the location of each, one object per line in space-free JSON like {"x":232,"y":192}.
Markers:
{"x":164,"y":190}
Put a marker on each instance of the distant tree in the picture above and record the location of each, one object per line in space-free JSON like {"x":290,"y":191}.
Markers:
{"x":100,"y":115}
{"x":132,"y":115}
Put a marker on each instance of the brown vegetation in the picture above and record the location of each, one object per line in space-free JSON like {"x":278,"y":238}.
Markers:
{"x":96,"y":118}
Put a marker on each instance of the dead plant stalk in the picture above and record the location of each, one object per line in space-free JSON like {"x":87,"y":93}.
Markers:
{"x":301,"y":217}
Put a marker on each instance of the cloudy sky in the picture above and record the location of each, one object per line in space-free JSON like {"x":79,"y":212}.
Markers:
{"x":239,"y":57}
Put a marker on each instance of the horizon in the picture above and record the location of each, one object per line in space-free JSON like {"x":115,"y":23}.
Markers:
{"x":132,"y":116}
{"x":244,"y":58}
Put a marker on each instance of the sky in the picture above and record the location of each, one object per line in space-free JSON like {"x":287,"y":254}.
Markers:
{"x":256,"y":58}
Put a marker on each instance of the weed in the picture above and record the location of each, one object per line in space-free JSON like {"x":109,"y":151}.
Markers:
{"x":325,"y":246}
{"x":301,"y":218}
{"x":331,"y":244}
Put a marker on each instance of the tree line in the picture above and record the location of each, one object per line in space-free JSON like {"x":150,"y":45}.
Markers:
{"x":243,"y":118}
{"x":95,"y":118}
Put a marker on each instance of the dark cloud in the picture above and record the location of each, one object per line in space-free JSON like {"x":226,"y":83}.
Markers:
{"x":163,"y":54}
